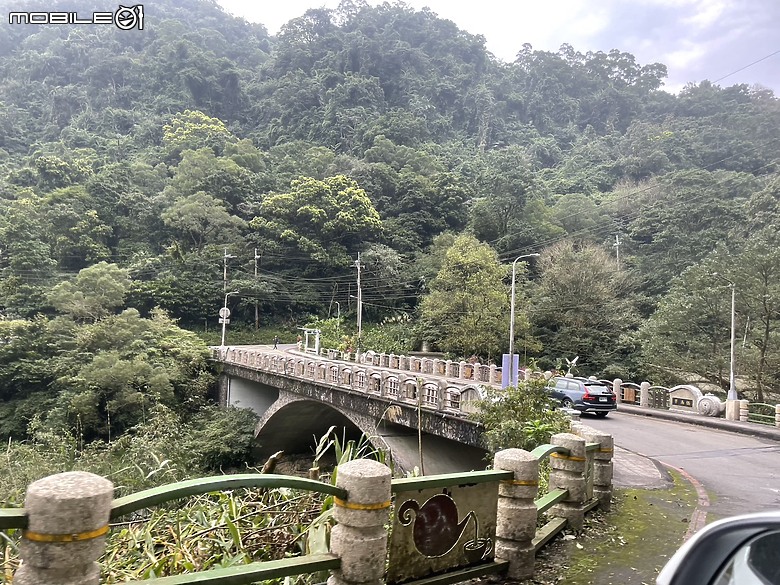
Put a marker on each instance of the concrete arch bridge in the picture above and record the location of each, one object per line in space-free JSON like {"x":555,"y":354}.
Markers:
{"x":299,"y":396}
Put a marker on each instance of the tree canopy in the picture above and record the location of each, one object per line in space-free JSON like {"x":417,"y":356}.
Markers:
{"x":155,"y":168}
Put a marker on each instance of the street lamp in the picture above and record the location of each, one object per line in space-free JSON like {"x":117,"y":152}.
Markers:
{"x":512,"y":320}
{"x":224,"y":313}
{"x":732,"y":395}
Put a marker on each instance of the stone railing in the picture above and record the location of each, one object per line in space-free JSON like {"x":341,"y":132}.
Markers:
{"x":461,"y":370}
{"x":445,"y":528}
{"x":456,"y":396}
{"x":690,"y":399}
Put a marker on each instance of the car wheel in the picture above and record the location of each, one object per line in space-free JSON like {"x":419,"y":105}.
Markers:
{"x":602,"y":414}
{"x":567,"y":403}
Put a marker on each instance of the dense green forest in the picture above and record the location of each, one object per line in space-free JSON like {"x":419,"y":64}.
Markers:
{"x":138,"y":168}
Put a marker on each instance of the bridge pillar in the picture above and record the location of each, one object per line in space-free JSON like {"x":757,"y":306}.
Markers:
{"x":68,"y":522}
{"x":602,"y":463}
{"x":494,"y":373}
{"x":568,"y":472}
{"x":644,"y":394}
{"x":744,"y":410}
{"x":360,"y":539}
{"x":517,"y":515}
{"x":617,"y":385}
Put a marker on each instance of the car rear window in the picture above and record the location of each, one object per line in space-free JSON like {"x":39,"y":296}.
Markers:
{"x":596,"y":386}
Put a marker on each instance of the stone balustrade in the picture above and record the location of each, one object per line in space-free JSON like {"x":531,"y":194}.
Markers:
{"x":687,"y":398}
{"x":455,"y":395}
{"x":66,"y":517}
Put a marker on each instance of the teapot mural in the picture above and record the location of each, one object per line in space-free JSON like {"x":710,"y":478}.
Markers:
{"x":437,"y":530}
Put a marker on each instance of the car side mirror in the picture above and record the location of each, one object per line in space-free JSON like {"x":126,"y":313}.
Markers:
{"x":743,"y":550}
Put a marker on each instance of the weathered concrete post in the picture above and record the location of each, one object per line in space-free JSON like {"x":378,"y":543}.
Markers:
{"x":732,"y":409}
{"x":617,"y":385}
{"x":568,"y":472}
{"x":744,"y":410}
{"x":516,"y":519}
{"x":68,"y":522}
{"x":359,"y":538}
{"x":644,"y":394}
{"x":602,"y":464}
{"x":777,"y":415}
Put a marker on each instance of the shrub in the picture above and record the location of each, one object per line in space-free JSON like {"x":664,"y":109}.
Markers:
{"x":522,"y":417}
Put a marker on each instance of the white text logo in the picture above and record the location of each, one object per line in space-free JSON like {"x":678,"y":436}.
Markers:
{"x":125,"y":17}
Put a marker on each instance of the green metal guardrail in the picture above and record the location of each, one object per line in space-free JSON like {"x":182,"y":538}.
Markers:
{"x":762,"y":413}
{"x":204,"y":485}
{"x":16,"y":518}
{"x":239,"y":575}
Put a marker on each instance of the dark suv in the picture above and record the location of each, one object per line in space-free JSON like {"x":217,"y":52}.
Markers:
{"x":582,"y":394}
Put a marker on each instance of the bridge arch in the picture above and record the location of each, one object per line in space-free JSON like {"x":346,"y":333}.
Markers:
{"x":292,"y":424}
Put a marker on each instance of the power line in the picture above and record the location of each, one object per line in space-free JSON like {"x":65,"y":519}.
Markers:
{"x":747,"y":66}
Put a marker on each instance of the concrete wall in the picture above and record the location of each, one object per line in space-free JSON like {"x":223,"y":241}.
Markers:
{"x":246,"y":394}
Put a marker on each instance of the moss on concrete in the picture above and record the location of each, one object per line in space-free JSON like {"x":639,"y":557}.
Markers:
{"x":630,"y":544}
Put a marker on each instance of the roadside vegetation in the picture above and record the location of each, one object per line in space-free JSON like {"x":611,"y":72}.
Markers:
{"x":146,"y":174}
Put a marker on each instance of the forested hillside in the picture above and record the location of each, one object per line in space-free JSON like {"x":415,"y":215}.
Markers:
{"x":139,"y":167}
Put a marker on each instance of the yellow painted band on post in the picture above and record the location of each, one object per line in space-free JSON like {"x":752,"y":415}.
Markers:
{"x":520,"y":481}
{"x":354,"y":506}
{"x":76,"y":537}
{"x":607,"y":450}
{"x":569,"y":457}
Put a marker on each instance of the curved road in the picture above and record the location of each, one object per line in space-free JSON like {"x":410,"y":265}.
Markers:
{"x":740,"y":473}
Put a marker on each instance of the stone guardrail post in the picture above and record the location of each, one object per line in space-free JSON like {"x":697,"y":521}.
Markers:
{"x":360,"y":539}
{"x":744,"y":410}
{"x":517,"y":514}
{"x":68,"y":522}
{"x":602,"y":463}
{"x":617,"y":388}
{"x":568,"y":472}
{"x":644,"y":394}
{"x":732,"y":409}
{"x":777,"y":415}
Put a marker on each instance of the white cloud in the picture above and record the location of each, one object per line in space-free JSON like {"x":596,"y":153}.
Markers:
{"x":708,"y":13}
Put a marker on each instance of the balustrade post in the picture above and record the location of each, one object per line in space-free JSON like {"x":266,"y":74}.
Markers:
{"x":568,"y":472}
{"x":441,"y":395}
{"x":493,"y":374}
{"x":66,"y":534}
{"x":644,"y":394}
{"x":602,"y":463}
{"x":744,"y":410}
{"x":517,"y":514}
{"x":359,"y":538}
{"x":617,"y":388}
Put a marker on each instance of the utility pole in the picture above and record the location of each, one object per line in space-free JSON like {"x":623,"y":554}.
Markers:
{"x":359,"y":303}
{"x":224,"y":270}
{"x":512,"y":373}
{"x":257,"y":310}
{"x":616,"y":245}
{"x":732,"y":394}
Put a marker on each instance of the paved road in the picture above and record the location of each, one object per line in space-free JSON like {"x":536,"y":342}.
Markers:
{"x":741,"y":473}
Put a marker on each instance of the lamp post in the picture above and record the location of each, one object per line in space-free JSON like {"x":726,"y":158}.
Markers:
{"x":732,"y":395}
{"x":513,"y":382}
{"x":224,"y":314}
{"x":338,"y":319}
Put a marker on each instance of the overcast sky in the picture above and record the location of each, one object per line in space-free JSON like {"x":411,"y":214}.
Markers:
{"x":695,"y":39}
